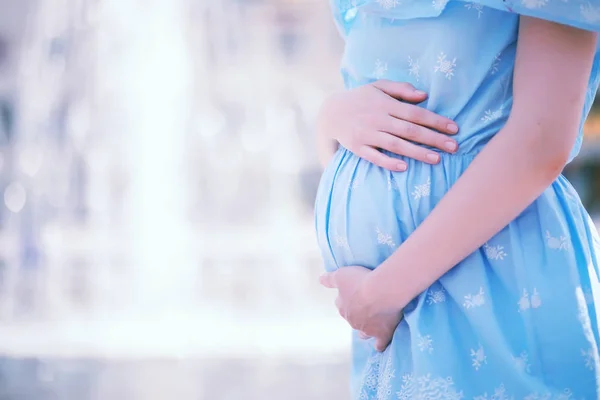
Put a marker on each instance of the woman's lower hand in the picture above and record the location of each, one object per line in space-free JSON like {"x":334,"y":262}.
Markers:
{"x":357,"y":306}
{"x":383,"y":115}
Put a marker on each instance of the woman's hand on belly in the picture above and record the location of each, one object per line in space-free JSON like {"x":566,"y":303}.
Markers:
{"x":352,"y":302}
{"x":380,"y":116}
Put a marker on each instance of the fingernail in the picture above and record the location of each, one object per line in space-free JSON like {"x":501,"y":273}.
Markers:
{"x":452,"y":128}
{"x":420,"y":92}
{"x":401,"y":167}
{"x":451,"y":146}
{"x":433,"y":157}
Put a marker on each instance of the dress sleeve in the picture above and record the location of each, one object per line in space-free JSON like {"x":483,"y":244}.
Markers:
{"x":582,"y":14}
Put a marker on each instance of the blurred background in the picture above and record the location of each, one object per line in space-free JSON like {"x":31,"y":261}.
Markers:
{"x":157,"y":175}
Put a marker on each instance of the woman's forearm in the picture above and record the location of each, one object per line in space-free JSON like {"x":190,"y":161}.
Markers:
{"x":507,"y":176}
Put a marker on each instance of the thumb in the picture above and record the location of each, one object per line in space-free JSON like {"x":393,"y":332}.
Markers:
{"x":328,"y":280}
{"x":381,"y":344}
{"x":400,"y":91}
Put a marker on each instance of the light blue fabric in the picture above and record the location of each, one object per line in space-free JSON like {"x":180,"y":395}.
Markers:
{"x":518,"y":318}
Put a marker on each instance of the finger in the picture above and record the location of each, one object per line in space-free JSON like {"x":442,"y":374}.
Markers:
{"x":363,"y":335}
{"x":378,"y":158}
{"x":400,"y":90}
{"x":421,"y":116}
{"x":382,"y":343}
{"x":328,"y":280}
{"x":418,"y":134}
{"x":403,"y":147}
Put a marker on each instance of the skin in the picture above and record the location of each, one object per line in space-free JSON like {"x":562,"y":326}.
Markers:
{"x":524,"y":158}
{"x":383,"y":115}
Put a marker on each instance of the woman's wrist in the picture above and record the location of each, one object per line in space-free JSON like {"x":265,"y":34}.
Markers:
{"x":383,"y":292}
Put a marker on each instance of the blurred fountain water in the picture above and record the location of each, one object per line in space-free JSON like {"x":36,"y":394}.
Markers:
{"x":154,"y":89}
{"x":154,"y":195}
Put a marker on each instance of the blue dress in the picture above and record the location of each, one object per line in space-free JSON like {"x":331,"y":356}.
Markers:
{"x":517,"y":319}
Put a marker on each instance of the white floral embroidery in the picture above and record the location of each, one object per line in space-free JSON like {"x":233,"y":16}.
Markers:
{"x":536,"y":301}
{"x":436,"y":296}
{"x":586,"y":325}
{"x":425,"y":343}
{"x":499,"y":394}
{"x":522,"y":362}
{"x":389,"y":4}
{"x":524,"y":302}
{"x":384,"y":238}
{"x":494,"y":252}
{"x":590,"y":13}
{"x":384,"y":389}
{"x":341,"y":241}
{"x":426,"y":387}
{"x":557,"y":243}
{"x":589,"y":358}
{"x":414,"y":68}
{"x":565,"y":395}
{"x":474,"y":300}
{"x":496,"y":64}
{"x":478,"y":357}
{"x":475,"y":6}
{"x":588,"y":295}
{"x":491,"y":116}
{"x":534,"y":3}
{"x":371,"y":376}
{"x":422,"y":190}
{"x":380,"y":69}
{"x":582,"y":315}
{"x":439,"y":5}
{"x":445,"y":66}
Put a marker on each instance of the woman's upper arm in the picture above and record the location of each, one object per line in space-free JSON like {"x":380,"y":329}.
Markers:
{"x":552,"y":70}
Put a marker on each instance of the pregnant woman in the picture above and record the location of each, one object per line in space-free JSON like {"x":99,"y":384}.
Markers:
{"x":472,"y":273}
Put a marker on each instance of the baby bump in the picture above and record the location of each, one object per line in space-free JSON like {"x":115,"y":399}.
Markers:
{"x":363,"y":212}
